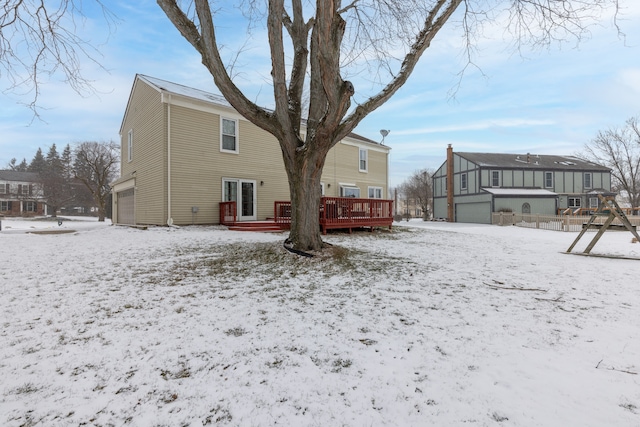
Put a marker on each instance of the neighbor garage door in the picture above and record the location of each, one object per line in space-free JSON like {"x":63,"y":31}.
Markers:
{"x":126,"y":207}
{"x":479,"y":212}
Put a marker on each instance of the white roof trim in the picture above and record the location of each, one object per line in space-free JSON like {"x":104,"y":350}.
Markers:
{"x":520,"y":192}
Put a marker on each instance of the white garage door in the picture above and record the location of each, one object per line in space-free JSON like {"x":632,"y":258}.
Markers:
{"x":126,"y":207}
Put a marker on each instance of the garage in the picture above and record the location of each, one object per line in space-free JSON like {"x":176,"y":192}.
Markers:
{"x":478,"y":212}
{"x":126,"y":205}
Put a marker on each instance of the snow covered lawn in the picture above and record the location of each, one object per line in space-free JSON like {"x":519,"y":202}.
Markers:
{"x":431,"y":324}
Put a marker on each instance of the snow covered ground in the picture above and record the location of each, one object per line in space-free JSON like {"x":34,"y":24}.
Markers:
{"x":432,"y":324}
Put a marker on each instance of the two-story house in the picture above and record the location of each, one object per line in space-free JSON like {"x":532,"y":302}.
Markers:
{"x":469,"y":187}
{"x":21,"y":194}
{"x":184,"y":151}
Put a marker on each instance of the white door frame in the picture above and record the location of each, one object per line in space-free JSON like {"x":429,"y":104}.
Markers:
{"x":244,"y":212}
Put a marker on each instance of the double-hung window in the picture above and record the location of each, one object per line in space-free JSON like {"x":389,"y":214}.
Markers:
{"x":548,"y":180}
{"x":363,"y":163}
{"x":463,"y":181}
{"x":375,"y":192}
{"x":588,"y":180}
{"x":3,"y":188}
{"x":495,"y":178}
{"x":228,"y":135}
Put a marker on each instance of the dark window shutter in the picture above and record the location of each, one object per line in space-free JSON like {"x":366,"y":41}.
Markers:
{"x":19,"y":189}
{"x":31,"y":189}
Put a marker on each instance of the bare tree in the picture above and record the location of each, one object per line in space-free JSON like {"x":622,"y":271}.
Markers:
{"x":417,"y":190}
{"x":96,"y":166}
{"x":41,"y":38}
{"x":335,"y":36}
{"x":619,"y":150}
{"x":377,"y":38}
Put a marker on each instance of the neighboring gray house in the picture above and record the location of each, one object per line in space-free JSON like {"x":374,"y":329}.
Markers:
{"x":468,"y":187}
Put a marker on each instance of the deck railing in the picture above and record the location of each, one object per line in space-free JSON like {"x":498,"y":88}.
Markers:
{"x":343,"y":212}
{"x":228,"y":213}
{"x":551,"y":222}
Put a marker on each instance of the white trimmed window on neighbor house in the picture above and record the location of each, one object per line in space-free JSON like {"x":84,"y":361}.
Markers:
{"x":575,"y":202}
{"x":495,"y":178}
{"x":463,"y":181}
{"x":229,"y":135}
{"x":588,"y":182}
{"x":4,"y":188}
{"x":29,"y":206}
{"x":548,"y":180}
{"x":363,"y":163}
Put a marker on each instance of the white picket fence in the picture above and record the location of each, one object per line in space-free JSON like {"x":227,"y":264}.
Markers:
{"x":551,"y":222}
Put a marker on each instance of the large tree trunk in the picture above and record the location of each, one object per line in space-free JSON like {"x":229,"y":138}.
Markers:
{"x":304,"y":171}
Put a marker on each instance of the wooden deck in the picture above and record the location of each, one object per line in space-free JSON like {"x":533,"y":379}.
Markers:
{"x":343,"y":213}
{"x":335,"y":213}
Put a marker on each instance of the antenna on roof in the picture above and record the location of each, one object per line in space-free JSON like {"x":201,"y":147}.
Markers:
{"x":384,"y":133}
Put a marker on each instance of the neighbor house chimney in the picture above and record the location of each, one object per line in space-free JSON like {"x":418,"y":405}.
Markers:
{"x":450,"y":217}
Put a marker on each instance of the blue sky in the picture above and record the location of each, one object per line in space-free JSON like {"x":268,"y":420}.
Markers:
{"x":551,"y":101}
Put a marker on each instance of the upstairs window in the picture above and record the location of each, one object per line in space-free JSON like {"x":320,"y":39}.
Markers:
{"x":362,"y":165}
{"x":130,"y":145}
{"x":587,"y":180}
{"x":463,"y":181}
{"x":495,"y":178}
{"x":3,"y":189}
{"x":548,"y":180}
{"x":229,"y":135}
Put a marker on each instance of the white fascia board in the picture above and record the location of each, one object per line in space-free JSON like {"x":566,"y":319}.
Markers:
{"x":367,"y":145}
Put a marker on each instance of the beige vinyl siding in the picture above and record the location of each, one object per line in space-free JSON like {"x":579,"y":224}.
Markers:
{"x":261,"y":160}
{"x":193,"y":151}
{"x":198,"y":166}
{"x":341,"y":167}
{"x":146,"y":117}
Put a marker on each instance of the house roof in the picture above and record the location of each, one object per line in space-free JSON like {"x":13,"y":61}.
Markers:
{"x":10,"y":175}
{"x":531,"y":161}
{"x":186,"y":91}
{"x":200,"y":95}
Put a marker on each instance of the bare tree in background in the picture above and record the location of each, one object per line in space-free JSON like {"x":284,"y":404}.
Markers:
{"x":619,"y":150}
{"x":314,"y":46}
{"x":96,"y":166}
{"x":418,"y":190}
{"x":39,"y":39}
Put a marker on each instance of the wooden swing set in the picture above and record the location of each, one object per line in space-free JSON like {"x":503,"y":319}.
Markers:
{"x":609,"y":208}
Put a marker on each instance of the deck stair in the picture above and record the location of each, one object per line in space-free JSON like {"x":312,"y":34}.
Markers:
{"x":268,"y":226}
